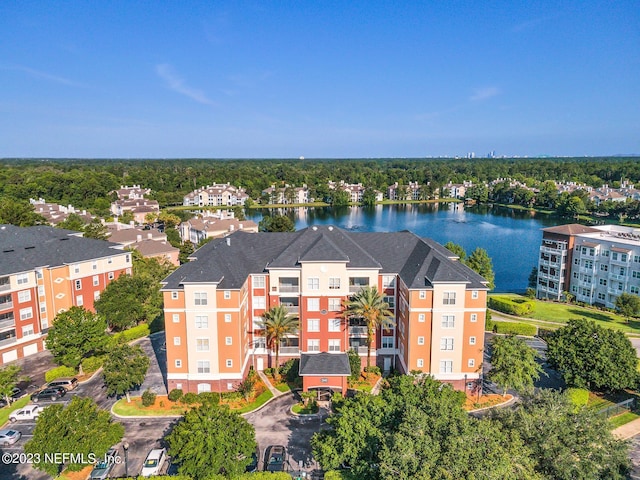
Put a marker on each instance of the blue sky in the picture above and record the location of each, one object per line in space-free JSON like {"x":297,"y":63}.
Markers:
{"x":218,"y":79}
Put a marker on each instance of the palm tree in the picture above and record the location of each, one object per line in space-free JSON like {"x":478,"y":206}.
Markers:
{"x":277,"y":323}
{"x":369,"y":304}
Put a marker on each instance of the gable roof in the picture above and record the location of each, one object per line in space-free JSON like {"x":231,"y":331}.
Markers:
{"x":329,"y":364}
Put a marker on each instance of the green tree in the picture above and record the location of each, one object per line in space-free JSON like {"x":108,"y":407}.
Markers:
{"x":276,"y":223}
{"x":72,"y":222}
{"x":9,"y":378}
{"x":532,"y":281}
{"x":212,"y":440}
{"x":355,"y":363}
{"x":456,"y":250}
{"x":368,"y":304}
{"x":95,"y":229}
{"x":170,"y":220}
{"x":19,"y":213}
{"x":75,"y":335}
{"x":340,"y":198}
{"x":478,"y":192}
{"x":80,"y":428}
{"x":566,"y":443}
{"x":124,"y":369}
{"x":277,"y":323}
{"x":513,"y":364}
{"x":369,"y":197}
{"x":480,"y":262}
{"x":238,"y":212}
{"x":628,"y":305}
{"x":126,"y":217}
{"x":590,"y":356}
{"x":186,"y":249}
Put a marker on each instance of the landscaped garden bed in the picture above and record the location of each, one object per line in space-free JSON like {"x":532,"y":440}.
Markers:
{"x":365,"y":382}
{"x":485,"y":401}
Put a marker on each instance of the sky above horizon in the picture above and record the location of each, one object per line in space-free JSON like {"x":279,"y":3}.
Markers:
{"x":330,"y":79}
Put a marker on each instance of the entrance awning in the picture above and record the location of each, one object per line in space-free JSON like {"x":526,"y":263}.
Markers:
{"x":324,"y":364}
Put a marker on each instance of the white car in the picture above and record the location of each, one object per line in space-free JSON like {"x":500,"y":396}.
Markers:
{"x":9,"y":437}
{"x":29,"y":412}
{"x":154,"y":463}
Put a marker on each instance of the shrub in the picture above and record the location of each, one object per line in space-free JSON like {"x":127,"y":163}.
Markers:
{"x":133,"y":333}
{"x":211,"y":398}
{"x":579,"y":396}
{"x":269,"y":371}
{"x":230,"y":396}
{"x":289,"y":369}
{"x":148,"y":398}
{"x":189,"y":398}
{"x":91,"y":364}
{"x":247,"y":388}
{"x":372,"y":369}
{"x":530,"y":293}
{"x":356,"y":365}
{"x":518,"y":307}
{"x":175,"y":395}
{"x":515,"y":328}
{"x":58,"y":372}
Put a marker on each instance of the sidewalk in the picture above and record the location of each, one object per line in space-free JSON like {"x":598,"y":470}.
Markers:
{"x":267,"y":382}
{"x":628,"y":430}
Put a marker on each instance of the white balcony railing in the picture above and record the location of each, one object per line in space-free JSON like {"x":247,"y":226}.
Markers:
{"x":289,"y":350}
{"x":357,"y":330}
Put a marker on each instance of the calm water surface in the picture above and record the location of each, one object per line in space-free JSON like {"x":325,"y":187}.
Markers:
{"x":511,"y":238}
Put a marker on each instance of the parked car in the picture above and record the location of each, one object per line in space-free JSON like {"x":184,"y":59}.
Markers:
{"x":253,"y":466}
{"x":275,"y":458}
{"x":53,"y":394}
{"x":68,"y":383}
{"x":15,"y":394}
{"x":154,"y":463}
{"x":104,"y":466}
{"x":28,"y":412}
{"x":9,"y":437}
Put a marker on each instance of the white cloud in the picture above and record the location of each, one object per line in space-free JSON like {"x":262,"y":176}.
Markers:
{"x":484,"y":93}
{"x":177,"y":84}
{"x":44,"y":75}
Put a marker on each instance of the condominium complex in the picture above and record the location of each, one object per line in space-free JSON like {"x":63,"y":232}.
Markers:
{"x":45,"y":271}
{"x":214,"y":304}
{"x":218,"y":194}
{"x":596,"y":264}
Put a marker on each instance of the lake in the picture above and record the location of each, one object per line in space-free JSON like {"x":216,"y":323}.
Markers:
{"x":511,"y":237}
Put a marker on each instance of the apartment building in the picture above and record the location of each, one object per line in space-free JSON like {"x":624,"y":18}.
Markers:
{"x":195,"y":230}
{"x":44,"y":271}
{"x":213,"y":306}
{"x":287,"y":194}
{"x":218,"y":194}
{"x":596,"y":264}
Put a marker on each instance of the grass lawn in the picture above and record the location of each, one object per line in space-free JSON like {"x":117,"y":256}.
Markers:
{"x":4,"y":412}
{"x":258,"y":402}
{"x":561,"y":313}
{"x":285,"y":387}
{"x":301,"y":409}
{"x":623,"y":419}
{"x":80,"y":475}
{"x":162,"y":407}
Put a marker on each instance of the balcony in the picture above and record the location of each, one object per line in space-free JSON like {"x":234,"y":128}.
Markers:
{"x":357,"y":330}
{"x":287,"y":288}
{"x":6,"y":306}
{"x":614,"y":276}
{"x":8,"y":341}
{"x":7,"y":323}
{"x":624,"y":263}
{"x":362,"y":349}
{"x":289,"y":350}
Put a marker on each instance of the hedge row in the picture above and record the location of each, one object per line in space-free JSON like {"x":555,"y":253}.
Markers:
{"x":59,"y":372}
{"x":139,"y":331}
{"x":507,"y":305}
{"x":511,"y":328}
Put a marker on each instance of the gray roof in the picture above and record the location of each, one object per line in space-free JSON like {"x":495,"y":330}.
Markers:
{"x":24,"y":249}
{"x":329,"y":364}
{"x":420,"y":262}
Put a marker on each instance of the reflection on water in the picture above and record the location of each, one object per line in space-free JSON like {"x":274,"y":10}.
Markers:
{"x":511,"y":237}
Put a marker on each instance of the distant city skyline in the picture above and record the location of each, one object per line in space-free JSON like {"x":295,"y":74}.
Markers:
{"x":321,"y":80}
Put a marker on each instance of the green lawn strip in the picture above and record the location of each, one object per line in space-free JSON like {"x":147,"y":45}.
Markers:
{"x":283,"y":387}
{"x":6,"y":411}
{"x":561,"y":313}
{"x":598,"y":402}
{"x":258,"y":402}
{"x":623,"y":419}
{"x":121,"y":407}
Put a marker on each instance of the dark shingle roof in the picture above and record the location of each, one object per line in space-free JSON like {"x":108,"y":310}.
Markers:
{"x":420,"y":262}
{"x":23,"y":249}
{"x":329,"y":364}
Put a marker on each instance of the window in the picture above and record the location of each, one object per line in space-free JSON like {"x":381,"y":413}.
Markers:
{"x":43,"y":307}
{"x":420,"y":363}
{"x":471,"y":362}
{"x":79,"y":301}
{"x":127,"y":258}
{"x":388,"y":281}
{"x":334,"y":345}
{"x":448,"y":321}
{"x":605,"y":253}
{"x":635,"y":274}
{"x":94,"y":265}
{"x":204,"y":366}
{"x":227,"y":294}
{"x":633,"y":289}
{"x":474,"y":317}
{"x":423,"y":294}
{"x":623,"y":257}
{"x":202,"y":344}
{"x":446,"y":343}
{"x":387,"y":342}
{"x":420,"y":340}
{"x":259,"y":302}
{"x":335,"y":304}
{"x":28,"y":330}
{"x":229,"y":364}
{"x":258,"y":281}
{"x":636,"y":258}
{"x":110,"y":276}
{"x":174,"y":295}
{"x":229,"y":386}
{"x":178,"y":363}
{"x":334,"y":283}
{"x":96,"y":280}
{"x":602,"y":296}
{"x":391,"y":301}
{"x":76,"y":269}
{"x":39,"y":273}
{"x":204,"y":387}
{"x":474,"y":294}
{"x":575,"y":275}
{"x":334,"y":324}
{"x":24,"y":296}
{"x":26,"y":313}
{"x":421,"y":317}
{"x":313,"y":304}
{"x":109,"y":260}
{"x":78,"y":285}
{"x":228,"y":340}
{"x":313,"y":283}
{"x":176,"y":341}
{"x":313,"y":345}
{"x":41,"y":290}
{"x":472,"y":340}
{"x":175,"y":318}
{"x":202,"y":321}
{"x":449,"y":298}
{"x":313,"y":325}
{"x":603,"y":281}
{"x":227,"y":318}
{"x":200,"y":298}
{"x":446,"y":366}
{"x":614,"y":256}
